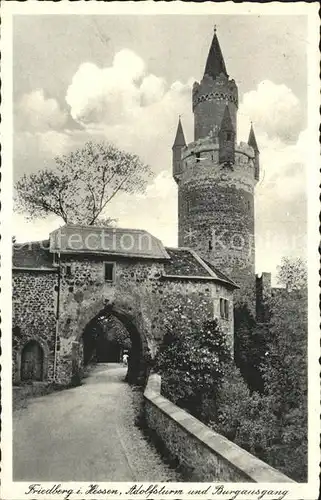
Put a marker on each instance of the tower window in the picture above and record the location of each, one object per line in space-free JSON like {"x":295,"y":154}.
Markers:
{"x":109,"y":272}
{"x":198,"y":156}
{"x":224,"y":308}
{"x":228,"y":136}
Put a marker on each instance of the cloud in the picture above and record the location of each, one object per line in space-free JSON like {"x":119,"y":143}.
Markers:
{"x":274,"y":109}
{"x":152,"y":89}
{"x":108,"y":95}
{"x":35,"y":112}
{"x":120,"y":94}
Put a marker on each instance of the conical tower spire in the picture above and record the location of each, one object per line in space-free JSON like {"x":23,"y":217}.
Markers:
{"x":227,"y":124}
{"x":252,"y":140}
{"x":180,"y":138}
{"x":215,"y":62}
{"x":177,"y":147}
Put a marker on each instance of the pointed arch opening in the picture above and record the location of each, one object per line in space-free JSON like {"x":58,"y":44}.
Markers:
{"x":108,"y":336}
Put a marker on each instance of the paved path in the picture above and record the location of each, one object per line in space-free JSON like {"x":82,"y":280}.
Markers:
{"x":85,"y":434}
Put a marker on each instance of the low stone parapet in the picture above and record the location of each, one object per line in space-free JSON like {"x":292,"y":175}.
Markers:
{"x":202,"y":453}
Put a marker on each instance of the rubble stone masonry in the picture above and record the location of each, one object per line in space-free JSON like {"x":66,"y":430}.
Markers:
{"x":216,"y":210}
{"x":141,"y":296}
{"x":34,"y":316}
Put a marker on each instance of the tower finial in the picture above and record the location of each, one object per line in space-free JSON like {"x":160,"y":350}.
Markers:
{"x":215,"y":29}
{"x":215,"y":64}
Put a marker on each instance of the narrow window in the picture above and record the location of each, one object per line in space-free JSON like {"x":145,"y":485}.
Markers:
{"x":222,"y":308}
{"x":109,"y":271}
{"x":198,"y":156}
{"x":68,"y":270}
{"x":228,"y":136}
{"x":226,"y":309}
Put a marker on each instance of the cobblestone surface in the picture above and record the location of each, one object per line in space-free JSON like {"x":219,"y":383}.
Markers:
{"x":86,"y":434}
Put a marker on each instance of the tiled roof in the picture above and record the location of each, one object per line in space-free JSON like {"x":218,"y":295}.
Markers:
{"x":32,"y":255}
{"x":179,"y":263}
{"x":74,"y":239}
{"x":221,"y":275}
{"x":186,"y":263}
{"x":183,"y":263}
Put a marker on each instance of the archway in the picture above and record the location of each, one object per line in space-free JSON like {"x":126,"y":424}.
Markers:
{"x":92,"y":340}
{"x":32,"y":360}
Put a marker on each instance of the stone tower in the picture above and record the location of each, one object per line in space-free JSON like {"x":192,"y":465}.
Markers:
{"x":216,"y":177}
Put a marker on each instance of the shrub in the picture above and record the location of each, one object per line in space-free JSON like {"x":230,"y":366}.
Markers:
{"x":192,"y":367}
{"x":249,"y":347}
{"x":274,"y":424}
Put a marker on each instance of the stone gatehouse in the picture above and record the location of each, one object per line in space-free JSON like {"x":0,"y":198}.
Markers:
{"x":63,"y":284}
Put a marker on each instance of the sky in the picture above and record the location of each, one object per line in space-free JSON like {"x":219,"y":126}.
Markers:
{"x":125,"y":79}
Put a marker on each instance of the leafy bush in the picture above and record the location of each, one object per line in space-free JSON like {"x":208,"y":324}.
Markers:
{"x":272,"y":425}
{"x":249,"y":347}
{"x":192,"y":366}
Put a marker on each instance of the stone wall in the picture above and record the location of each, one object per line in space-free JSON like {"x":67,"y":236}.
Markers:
{"x":145,"y":302}
{"x":34,"y":316}
{"x":216,"y":211}
{"x":203,"y":454}
{"x":209,"y":101}
{"x":147,"y":296}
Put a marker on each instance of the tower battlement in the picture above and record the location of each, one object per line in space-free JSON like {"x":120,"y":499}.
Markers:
{"x":200,"y":161}
{"x":209,"y":89}
{"x":210,"y":143}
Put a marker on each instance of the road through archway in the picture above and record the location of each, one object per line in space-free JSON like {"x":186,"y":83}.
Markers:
{"x":93,"y":436}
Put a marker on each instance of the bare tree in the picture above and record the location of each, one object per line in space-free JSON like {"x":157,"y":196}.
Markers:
{"x":82,"y":184}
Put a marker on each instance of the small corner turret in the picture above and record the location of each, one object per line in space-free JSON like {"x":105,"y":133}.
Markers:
{"x":252,"y":142}
{"x":227,"y":139}
{"x":179,"y":143}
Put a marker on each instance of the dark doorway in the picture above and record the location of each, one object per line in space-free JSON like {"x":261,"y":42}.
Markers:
{"x":32,"y":361}
{"x":108,"y":336}
{"x":106,"y":351}
{"x":105,"y":339}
